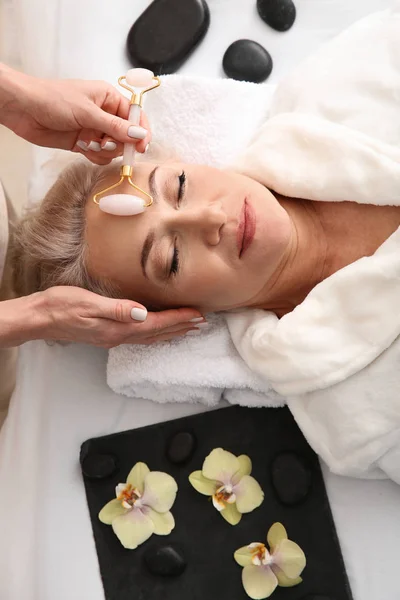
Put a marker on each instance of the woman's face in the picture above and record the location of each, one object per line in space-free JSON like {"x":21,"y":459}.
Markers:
{"x":212,"y":239}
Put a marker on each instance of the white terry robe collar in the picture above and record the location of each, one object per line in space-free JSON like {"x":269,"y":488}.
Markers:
{"x":333,"y":135}
{"x":346,"y":322}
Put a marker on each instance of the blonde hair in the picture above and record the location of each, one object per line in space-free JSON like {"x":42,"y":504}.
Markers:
{"x":48,"y":246}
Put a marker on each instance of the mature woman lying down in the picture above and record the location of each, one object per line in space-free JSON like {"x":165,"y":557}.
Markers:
{"x":323,"y":264}
{"x":215,"y":240}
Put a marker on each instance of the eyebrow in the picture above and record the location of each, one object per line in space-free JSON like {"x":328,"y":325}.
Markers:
{"x":149,"y":241}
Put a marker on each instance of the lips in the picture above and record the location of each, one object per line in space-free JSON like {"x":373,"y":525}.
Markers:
{"x":246,"y":229}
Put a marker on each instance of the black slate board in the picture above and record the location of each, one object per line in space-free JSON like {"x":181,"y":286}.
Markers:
{"x":206,"y":540}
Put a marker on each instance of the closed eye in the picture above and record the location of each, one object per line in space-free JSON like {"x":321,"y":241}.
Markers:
{"x":175,"y":262}
{"x":175,"y":257}
{"x":182,"y":185}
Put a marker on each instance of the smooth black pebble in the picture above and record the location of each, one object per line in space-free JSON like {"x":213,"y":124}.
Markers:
{"x":181,"y":447}
{"x":246,"y":60}
{"x":278,"y":14}
{"x":166,"y":33}
{"x":99,"y":466}
{"x":166,"y":561}
{"x":317,"y":597}
{"x":291,"y":478}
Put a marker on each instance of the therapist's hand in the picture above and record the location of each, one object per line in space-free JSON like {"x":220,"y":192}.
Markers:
{"x":75,"y":315}
{"x":69,"y":114}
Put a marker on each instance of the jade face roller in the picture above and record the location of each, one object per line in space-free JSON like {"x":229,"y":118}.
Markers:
{"x":138,"y":82}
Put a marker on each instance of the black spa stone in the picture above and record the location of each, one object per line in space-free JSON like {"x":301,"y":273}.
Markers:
{"x":165,"y":560}
{"x":278,"y":14}
{"x":317,"y":597}
{"x":181,"y":447}
{"x":246,"y":60}
{"x":291,"y":478}
{"x":98,"y":466}
{"x":166,"y":33}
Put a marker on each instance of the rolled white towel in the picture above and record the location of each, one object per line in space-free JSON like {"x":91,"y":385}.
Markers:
{"x":203,"y":368}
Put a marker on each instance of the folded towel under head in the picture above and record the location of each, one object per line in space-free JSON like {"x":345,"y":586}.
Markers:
{"x":203,"y":368}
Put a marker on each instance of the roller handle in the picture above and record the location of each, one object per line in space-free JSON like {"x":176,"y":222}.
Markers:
{"x":129,"y":148}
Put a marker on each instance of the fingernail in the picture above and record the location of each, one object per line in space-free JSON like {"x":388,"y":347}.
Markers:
{"x":110,"y":146}
{"x":193,"y":332}
{"x":196,"y":320}
{"x":138,"y":314}
{"x":135,"y":131}
{"x":147,"y":147}
{"x":203,"y":325}
{"x":82,"y":145}
{"x":95,"y":146}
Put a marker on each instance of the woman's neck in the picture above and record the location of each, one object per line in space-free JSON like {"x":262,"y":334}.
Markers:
{"x":303,"y":266}
{"x":327,"y":236}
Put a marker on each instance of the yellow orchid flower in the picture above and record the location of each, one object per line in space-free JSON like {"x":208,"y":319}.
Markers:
{"x":226,"y":478}
{"x":141,"y":507}
{"x":264,"y":570}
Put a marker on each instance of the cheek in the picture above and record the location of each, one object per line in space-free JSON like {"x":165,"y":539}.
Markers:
{"x":216,"y":285}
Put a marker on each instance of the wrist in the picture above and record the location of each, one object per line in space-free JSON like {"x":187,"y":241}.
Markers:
{"x":7,"y":85}
{"x":12,"y":89}
{"x":23,"y":319}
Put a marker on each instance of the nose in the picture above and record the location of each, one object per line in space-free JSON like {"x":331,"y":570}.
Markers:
{"x":206,"y":220}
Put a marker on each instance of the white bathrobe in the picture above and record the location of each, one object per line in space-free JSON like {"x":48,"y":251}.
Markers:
{"x":334,"y":135}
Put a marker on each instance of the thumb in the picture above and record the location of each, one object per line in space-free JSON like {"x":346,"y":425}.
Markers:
{"x":115,"y":127}
{"x":123,"y":311}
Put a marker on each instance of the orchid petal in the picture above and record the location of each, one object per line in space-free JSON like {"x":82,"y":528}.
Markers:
{"x":137,"y":476}
{"x":284,"y":581}
{"x":249,"y":494}
{"x":220,"y":465}
{"x":276,"y":534}
{"x":133,"y":528}
{"x":159,"y":491}
{"x":231,"y":514}
{"x":290,"y":558}
{"x":243,"y":556}
{"x":202,"y":484}
{"x":244,"y":469}
{"x":164,"y":523}
{"x":258,"y":582}
{"x":111,"y":511}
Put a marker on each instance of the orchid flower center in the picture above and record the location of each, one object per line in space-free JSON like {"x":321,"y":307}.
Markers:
{"x":128,"y":495}
{"x":260,"y":555}
{"x":224,"y":495}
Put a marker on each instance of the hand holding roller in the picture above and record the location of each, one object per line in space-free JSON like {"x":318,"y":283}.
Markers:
{"x":138,"y":82}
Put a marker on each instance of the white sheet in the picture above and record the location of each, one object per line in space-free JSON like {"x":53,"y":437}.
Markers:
{"x":62,"y":397}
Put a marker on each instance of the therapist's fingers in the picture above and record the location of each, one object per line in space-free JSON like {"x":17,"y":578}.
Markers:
{"x":127,"y":311}
{"x":117,"y":129}
{"x":170,"y":333}
{"x":141,"y":145}
{"x":182,"y":328}
{"x":167,"y":337}
{"x":91,"y":144}
{"x":101,"y":149}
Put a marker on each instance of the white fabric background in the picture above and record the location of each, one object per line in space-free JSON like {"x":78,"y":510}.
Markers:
{"x":46,"y":546}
